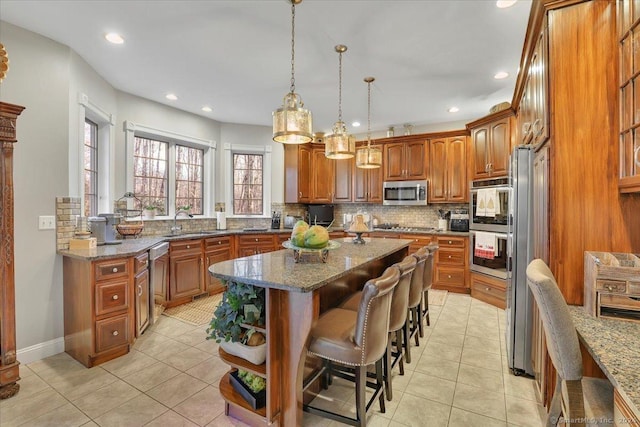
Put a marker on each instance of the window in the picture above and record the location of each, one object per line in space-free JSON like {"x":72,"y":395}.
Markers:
{"x":189,"y":168}
{"x":247,"y":184}
{"x":90,"y":168}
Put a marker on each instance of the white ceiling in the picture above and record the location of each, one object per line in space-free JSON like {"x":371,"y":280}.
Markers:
{"x":426,"y":55}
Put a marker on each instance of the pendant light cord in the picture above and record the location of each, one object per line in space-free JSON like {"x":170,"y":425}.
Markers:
{"x":368,"y":114}
{"x":340,"y":87}
{"x":292,"y":89}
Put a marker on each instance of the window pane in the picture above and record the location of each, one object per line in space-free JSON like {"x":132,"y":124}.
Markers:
{"x":247,"y":184}
{"x":150,"y":172}
{"x":189,"y":173}
{"x":90,"y":168}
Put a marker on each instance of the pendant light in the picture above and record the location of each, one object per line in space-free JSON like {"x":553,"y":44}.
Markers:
{"x":369,"y":157}
{"x":292,"y":123}
{"x":339,"y":144}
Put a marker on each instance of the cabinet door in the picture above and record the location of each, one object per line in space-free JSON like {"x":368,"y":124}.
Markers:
{"x":161,"y":279}
{"x":437,"y":170}
{"x":211,"y":257}
{"x":541,"y":205}
{"x":457,"y":187}
{"x":480,"y":148}
{"x":360,"y":184}
{"x":374,"y":185}
{"x":525,"y":113}
{"x":305,"y":161}
{"x":538,"y":70}
{"x":500,"y":146}
{"x":342,"y":191}
{"x":186,"y":276}
{"x":393,"y":162}
{"x":141,"y":288}
{"x":415,"y":159}
{"x":322,"y":173}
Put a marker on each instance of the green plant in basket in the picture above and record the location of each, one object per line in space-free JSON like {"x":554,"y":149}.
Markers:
{"x":231,"y":314}
{"x":254,"y":382}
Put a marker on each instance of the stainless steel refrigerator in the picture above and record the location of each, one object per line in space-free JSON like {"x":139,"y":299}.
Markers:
{"x":519,"y":299}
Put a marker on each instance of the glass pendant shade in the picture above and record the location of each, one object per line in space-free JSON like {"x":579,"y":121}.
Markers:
{"x":368,"y":157}
{"x":339,"y":145}
{"x":292,"y":124}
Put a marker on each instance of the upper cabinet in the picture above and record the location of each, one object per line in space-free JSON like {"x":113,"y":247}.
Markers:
{"x":309,"y":175}
{"x":533,"y":112}
{"x":448,"y":169}
{"x":491,"y":145}
{"x":367,"y":184}
{"x":405,"y":160}
{"x":629,"y":77}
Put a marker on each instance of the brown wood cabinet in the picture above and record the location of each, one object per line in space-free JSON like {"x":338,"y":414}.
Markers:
{"x":405,"y":161}
{"x":99,"y":315}
{"x":344,"y":176}
{"x":489,"y":289}
{"x":253,"y":244}
{"x":448,"y":170}
{"x":322,"y":176}
{"x":491,"y":145}
{"x":161,"y":279}
{"x":451,"y":267}
{"x":629,"y":79}
{"x":216,"y":249}
{"x":418,"y":241}
{"x":9,"y":365}
{"x":185,"y":271}
{"x":309,"y":174}
{"x":141,"y":290}
{"x":367,"y":184}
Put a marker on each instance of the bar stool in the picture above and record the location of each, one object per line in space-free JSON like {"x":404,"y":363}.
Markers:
{"x":415,"y":299}
{"x":576,"y":398}
{"x":426,"y":286}
{"x":397,"y":320}
{"x":356,"y":339}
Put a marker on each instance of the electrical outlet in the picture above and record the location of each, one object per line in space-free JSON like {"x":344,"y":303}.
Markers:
{"x":46,"y":222}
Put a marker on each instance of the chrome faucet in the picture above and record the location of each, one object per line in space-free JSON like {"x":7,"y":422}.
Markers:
{"x":176,"y":229}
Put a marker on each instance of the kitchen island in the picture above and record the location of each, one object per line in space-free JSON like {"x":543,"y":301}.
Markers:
{"x":295,"y":295}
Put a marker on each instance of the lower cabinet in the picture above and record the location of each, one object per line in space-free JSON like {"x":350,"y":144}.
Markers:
{"x":99,"y":310}
{"x":418,"y":241}
{"x":216,"y":249}
{"x":489,"y":289}
{"x":451,"y":267}
{"x":141,"y":290}
{"x":185,"y":271}
{"x":253,"y":244}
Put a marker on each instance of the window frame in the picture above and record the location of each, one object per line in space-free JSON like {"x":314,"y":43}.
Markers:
{"x":94,"y":167}
{"x":172,"y":138}
{"x":263,"y":150}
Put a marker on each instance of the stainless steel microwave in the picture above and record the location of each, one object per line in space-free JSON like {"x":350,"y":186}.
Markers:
{"x":404,"y":193}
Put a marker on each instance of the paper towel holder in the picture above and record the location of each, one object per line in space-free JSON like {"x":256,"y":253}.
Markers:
{"x":221,"y":221}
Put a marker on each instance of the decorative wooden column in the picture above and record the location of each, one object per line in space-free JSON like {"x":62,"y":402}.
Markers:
{"x":9,"y":370}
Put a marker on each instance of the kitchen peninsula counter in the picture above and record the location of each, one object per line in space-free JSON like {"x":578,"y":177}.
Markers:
{"x":615,"y":347}
{"x":295,"y":295}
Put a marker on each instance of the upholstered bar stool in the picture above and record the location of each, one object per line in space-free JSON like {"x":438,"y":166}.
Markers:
{"x":576,"y":398}
{"x":397,"y":319}
{"x":426,"y":286}
{"x":415,"y":299}
{"x":356,"y":339}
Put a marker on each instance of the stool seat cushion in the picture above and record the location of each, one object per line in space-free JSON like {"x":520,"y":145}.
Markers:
{"x":598,"y":400}
{"x":353,"y":302}
{"x":333,"y":337}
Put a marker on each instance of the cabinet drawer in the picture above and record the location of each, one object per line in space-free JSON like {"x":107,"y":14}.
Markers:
{"x":112,"y":296}
{"x":620,"y":301}
{"x":190,"y":246}
{"x":112,"y":332}
{"x":140,"y":262}
{"x":450,"y":242}
{"x":489,"y":292}
{"x":385,"y":235}
{"x":451,"y":256}
{"x":450,"y":276}
{"x":217,"y":242}
{"x":111,"y":268}
{"x":255,"y":239}
{"x":617,"y":286}
{"x":634,"y":288}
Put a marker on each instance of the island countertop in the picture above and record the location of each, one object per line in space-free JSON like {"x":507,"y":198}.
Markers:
{"x":280,"y":271}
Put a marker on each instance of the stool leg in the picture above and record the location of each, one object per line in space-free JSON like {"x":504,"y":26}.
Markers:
{"x":426,"y":306}
{"x":399,"y":350}
{"x":414,"y":317}
{"x":379,"y":381}
{"x":361,"y":398}
{"x":407,"y":337}
{"x":420,"y":317}
{"x":387,"y":369}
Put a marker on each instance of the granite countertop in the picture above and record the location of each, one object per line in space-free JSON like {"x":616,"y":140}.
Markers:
{"x":615,"y":346}
{"x":279,"y":270}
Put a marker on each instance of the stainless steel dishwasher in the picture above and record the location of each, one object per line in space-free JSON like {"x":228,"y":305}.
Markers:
{"x":159,"y":276}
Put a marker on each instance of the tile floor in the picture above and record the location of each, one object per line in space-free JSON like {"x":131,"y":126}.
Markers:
{"x":458,"y":377}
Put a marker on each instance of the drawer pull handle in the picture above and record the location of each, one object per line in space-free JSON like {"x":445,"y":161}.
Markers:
{"x":139,"y":290}
{"x":115,"y":297}
{"x":635,"y":298}
{"x":610,"y":287}
{"x":115,"y":269}
{"x":114,"y":333}
{"x":487,"y":289}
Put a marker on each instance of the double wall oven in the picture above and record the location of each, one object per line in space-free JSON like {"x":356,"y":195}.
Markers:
{"x":497,"y":222}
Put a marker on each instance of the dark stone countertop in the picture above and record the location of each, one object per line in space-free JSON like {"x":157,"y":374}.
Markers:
{"x":615,"y":346}
{"x":279,"y":270}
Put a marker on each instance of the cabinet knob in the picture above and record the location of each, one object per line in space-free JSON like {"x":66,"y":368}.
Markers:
{"x":115,"y":333}
{"x":256,"y":239}
{"x":115,"y":270}
{"x":219,"y":242}
{"x":449,"y":276}
{"x":115,"y":297}
{"x":609,"y":287}
{"x":449,"y":256}
{"x":487,"y":289}
{"x":188,"y":246}
{"x":300,"y":194}
{"x":450,"y":242}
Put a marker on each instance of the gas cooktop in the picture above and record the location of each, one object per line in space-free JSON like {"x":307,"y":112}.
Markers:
{"x":396,"y":227}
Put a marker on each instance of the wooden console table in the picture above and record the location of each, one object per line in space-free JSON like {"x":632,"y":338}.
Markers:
{"x":9,"y":370}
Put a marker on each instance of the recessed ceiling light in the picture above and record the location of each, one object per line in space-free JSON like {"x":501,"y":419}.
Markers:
{"x":453,"y":110}
{"x":114,"y":38}
{"x":171,"y":96}
{"x":505,"y":3}
{"x":207,"y":109}
{"x":501,"y":75}
{"x":355,"y":124}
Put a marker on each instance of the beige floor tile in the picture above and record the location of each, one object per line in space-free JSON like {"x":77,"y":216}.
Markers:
{"x":481,"y":359}
{"x":414,"y":411}
{"x":25,"y":371}
{"x":176,"y":390}
{"x":483,"y":344}
{"x":173,"y":328}
{"x":483,"y":331}
{"x":437,"y":367}
{"x":31,"y":407}
{"x":185,"y":359}
{"x":339,"y":389}
{"x":445,"y":338}
{"x":82,"y":383}
{"x":165,"y":349}
{"x":151,"y":376}
{"x":308,"y":420}
{"x":480,"y":401}
{"x":192,"y":338}
{"x":29,"y":386}
{"x":210,"y":346}
{"x":136,"y":412}
{"x":523,"y":412}
{"x":90,"y":424}
{"x":444,"y":351}
{"x":128,"y":364}
{"x":203,"y":407}
{"x":462,"y":418}
{"x":149,"y":341}
{"x":209,"y":371}
{"x":430,"y":387}
{"x":104,"y":399}
{"x":55,"y":366}
{"x":521,"y":387}
{"x":450,"y":326}
{"x":171,"y":419}
{"x":481,"y":378}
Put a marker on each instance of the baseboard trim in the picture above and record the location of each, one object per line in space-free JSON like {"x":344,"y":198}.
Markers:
{"x":40,"y":351}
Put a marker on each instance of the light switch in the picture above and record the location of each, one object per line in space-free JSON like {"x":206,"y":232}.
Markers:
{"x":46,"y":222}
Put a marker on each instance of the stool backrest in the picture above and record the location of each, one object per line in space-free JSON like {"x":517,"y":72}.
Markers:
{"x":427,"y":277}
{"x":415,"y":293}
{"x":400,"y":298}
{"x":372,"y":327}
{"x":562,"y":338}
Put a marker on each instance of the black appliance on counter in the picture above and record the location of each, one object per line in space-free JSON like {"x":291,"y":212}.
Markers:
{"x":459,"y":220}
{"x":320,"y":215}
{"x":275,"y":220}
